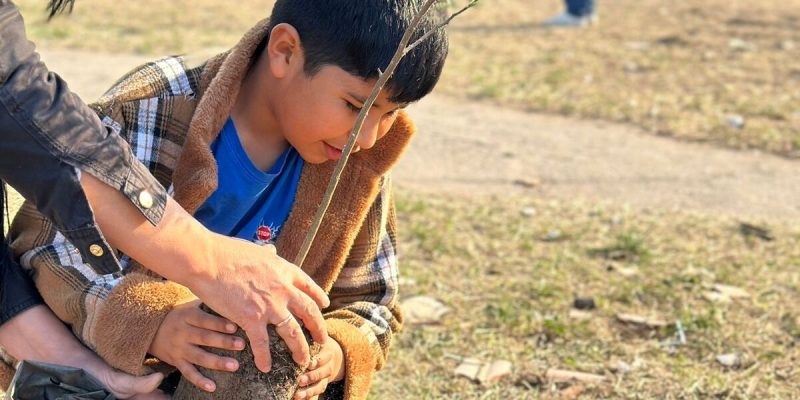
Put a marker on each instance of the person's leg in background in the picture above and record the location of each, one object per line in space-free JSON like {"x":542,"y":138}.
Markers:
{"x":578,"y":13}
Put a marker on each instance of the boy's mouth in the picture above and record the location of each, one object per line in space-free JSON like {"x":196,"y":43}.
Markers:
{"x":332,"y":152}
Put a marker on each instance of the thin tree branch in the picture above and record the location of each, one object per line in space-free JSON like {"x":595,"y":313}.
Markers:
{"x":410,"y":47}
{"x":383,"y":77}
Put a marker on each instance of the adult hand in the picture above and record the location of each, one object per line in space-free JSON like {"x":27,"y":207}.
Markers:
{"x":125,"y":386}
{"x":182,"y":333}
{"x":261,"y":288}
{"x":246,"y":283}
{"x":326,"y":367}
{"x":36,"y":334}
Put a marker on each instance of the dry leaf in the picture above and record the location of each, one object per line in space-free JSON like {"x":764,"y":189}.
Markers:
{"x":483,"y":373}
{"x":640,"y":320}
{"x":419,"y":310}
{"x":563,"y":376}
{"x":573,"y":392}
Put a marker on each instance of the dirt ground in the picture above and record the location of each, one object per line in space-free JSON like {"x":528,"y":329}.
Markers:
{"x":472,"y":148}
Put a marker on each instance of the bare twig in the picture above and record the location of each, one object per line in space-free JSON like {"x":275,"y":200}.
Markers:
{"x":410,"y":47}
{"x":383,"y":77}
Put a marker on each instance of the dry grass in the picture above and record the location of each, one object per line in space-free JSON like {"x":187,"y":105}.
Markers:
{"x":680,"y":68}
{"x":510,"y":282}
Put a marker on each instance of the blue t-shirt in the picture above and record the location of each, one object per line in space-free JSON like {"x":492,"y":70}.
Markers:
{"x":249,"y":203}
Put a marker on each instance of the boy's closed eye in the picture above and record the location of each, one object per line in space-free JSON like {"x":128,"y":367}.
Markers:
{"x":357,"y":108}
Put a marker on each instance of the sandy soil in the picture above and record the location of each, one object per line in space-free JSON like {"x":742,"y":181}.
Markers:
{"x":470,"y":148}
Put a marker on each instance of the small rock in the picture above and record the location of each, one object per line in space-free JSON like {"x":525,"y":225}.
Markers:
{"x":403,"y":281}
{"x":738,"y":44}
{"x":579,"y":315}
{"x":716,"y":297}
{"x":731,"y":360}
{"x":528,"y":211}
{"x":787,"y":45}
{"x":735,"y":121}
{"x":637,"y":45}
{"x":563,"y":376}
{"x":730,"y":291}
{"x":628,"y":271}
{"x":553,"y":235}
{"x":631,"y":67}
{"x":640,"y":320}
{"x":584,"y":303}
{"x":420,"y":310}
{"x":483,"y":373}
{"x":621,"y":367}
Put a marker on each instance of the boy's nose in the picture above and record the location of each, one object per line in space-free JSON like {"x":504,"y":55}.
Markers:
{"x":369,"y":133}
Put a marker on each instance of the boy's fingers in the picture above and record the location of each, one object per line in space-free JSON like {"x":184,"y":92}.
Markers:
{"x":217,"y":340}
{"x":307,"y":285}
{"x":292,"y":334}
{"x":312,"y":377}
{"x":307,"y":311}
{"x":198,"y":356}
{"x":312,"y":391}
{"x":193,"y":375}
{"x":259,"y":344}
{"x":202,"y":319}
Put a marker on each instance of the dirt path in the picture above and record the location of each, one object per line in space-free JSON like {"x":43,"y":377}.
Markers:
{"x":469,"y":148}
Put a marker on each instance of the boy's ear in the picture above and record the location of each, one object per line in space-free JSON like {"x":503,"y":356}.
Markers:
{"x":284,"y":50}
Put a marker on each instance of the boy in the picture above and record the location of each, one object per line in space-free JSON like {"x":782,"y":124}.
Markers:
{"x":247,"y":142}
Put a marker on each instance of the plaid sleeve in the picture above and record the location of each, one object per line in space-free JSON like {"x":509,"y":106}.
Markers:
{"x":364,"y":311}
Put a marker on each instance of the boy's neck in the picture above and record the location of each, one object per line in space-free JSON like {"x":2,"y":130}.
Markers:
{"x":255,"y":123}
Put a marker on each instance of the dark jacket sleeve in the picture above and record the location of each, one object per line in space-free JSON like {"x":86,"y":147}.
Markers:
{"x":17,"y":292}
{"x":48,"y":136}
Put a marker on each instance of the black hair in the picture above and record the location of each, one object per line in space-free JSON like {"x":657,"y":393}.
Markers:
{"x":361,"y":36}
{"x":55,"y":7}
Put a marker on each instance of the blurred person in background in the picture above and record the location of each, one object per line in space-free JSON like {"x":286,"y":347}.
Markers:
{"x":578,"y":13}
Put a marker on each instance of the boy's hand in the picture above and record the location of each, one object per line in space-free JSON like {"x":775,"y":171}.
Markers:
{"x":180,"y":336}
{"x":326,"y":367}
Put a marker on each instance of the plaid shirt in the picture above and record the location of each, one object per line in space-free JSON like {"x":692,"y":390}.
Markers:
{"x":170,"y":113}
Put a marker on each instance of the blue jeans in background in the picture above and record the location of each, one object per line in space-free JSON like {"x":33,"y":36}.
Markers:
{"x":580,"y":8}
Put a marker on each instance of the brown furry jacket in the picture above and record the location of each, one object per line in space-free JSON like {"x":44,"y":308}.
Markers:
{"x":170,"y":114}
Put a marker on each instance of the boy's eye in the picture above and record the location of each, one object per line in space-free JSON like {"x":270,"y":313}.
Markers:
{"x":353,"y":107}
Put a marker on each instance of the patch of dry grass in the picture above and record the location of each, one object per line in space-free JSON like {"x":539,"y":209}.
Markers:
{"x":510,"y":280}
{"x":679,"y":69}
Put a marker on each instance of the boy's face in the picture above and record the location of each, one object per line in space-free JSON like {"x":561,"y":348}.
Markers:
{"x":318,"y":112}
{"x":315,"y":113}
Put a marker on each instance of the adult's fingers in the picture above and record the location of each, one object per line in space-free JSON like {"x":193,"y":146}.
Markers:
{"x":125,"y":386}
{"x":203,"y":358}
{"x":259,"y":343}
{"x":217,"y":340}
{"x":308,"y":312}
{"x":195,"y":377}
{"x":307,"y":285}
{"x":292,"y":334}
